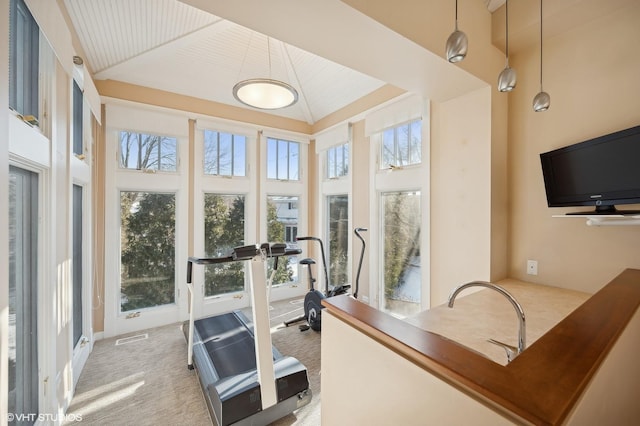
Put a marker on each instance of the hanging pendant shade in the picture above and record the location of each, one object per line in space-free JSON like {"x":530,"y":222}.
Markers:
{"x":265,"y":93}
{"x":542,"y":100}
{"x":507,"y":78}
{"x":457,"y":43}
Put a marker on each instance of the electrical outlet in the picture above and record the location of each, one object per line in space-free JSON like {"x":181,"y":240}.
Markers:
{"x":532,"y":267}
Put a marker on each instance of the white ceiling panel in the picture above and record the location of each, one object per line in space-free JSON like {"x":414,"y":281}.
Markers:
{"x":167,"y":45}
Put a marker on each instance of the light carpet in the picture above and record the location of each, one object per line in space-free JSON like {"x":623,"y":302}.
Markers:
{"x":145,"y":381}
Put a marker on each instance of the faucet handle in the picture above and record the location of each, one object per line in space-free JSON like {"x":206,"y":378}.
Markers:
{"x":512,"y":351}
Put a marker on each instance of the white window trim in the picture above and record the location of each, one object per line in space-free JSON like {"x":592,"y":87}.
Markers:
{"x":120,"y":117}
{"x":411,"y":178}
{"x":204,"y":183}
{"x":298,"y":188}
{"x":81,"y":174}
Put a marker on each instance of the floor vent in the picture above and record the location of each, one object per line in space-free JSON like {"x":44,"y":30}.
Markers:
{"x":131,"y":339}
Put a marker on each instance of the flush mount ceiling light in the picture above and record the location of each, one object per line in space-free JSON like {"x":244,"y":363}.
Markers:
{"x":457,"y":43}
{"x":542,"y":100}
{"x":265,"y":93}
{"x":507,"y":78}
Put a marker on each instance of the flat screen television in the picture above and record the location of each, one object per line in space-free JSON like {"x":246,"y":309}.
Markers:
{"x":601,"y":172}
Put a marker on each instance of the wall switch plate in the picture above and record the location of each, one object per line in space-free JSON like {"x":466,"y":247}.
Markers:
{"x":532,"y":267}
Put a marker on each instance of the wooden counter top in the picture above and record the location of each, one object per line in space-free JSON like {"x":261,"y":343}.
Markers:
{"x":543,"y":383}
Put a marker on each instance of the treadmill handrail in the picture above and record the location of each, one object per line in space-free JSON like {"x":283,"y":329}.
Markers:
{"x":242,"y":253}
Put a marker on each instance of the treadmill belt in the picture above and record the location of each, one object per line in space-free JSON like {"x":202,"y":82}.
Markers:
{"x":229,"y":343}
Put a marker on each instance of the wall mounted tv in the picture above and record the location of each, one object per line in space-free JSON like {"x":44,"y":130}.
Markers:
{"x":600,"y":172}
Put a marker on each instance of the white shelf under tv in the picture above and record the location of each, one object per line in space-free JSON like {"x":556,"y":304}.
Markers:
{"x":605,"y":219}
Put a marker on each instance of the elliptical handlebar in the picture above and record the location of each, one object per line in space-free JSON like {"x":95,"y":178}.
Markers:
{"x":324,"y":261}
{"x":357,"y":232}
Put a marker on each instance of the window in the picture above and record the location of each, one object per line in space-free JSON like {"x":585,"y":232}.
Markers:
{"x":147,"y":249}
{"x":290,"y":234}
{"x":224,"y":229}
{"x":338,"y":226}
{"x":282,"y":214}
{"x":78,"y":146}
{"x":140,"y":151}
{"x":401,"y":221}
{"x":283,"y":159}
{"x":23,"y":293}
{"x":224,"y":154}
{"x":77,"y":263}
{"x":402,"y":145}
{"x":23,"y":61}
{"x":337,"y":161}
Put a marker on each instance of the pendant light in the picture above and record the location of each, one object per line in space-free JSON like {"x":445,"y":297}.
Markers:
{"x":542,"y":100}
{"x":265,"y":93}
{"x":507,"y":78}
{"x":457,"y":43}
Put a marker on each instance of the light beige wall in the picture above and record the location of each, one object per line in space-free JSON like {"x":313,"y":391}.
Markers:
{"x":593,"y":76}
{"x":461,"y":201}
{"x":379,"y":387}
{"x":429,"y":23}
{"x":98,"y":178}
{"x":360,"y":197}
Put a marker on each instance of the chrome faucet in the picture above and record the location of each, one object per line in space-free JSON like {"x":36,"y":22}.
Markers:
{"x":511,"y":351}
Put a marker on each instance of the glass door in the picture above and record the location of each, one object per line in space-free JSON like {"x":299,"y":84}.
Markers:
{"x":23,"y":296}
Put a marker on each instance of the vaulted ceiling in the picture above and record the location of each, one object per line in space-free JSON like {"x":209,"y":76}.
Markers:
{"x":168,"y":45}
{"x":179,"y":46}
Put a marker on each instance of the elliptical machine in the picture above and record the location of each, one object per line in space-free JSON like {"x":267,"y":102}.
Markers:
{"x":313,"y":299}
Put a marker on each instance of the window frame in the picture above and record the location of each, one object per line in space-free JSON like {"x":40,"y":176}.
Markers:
{"x":345,"y":162}
{"x":24,"y":86}
{"x":396,"y":142}
{"x":233,"y":137}
{"x":289,"y":143}
{"x":159,"y":168}
{"x":294,"y":188}
{"x":137,"y":119}
{"x":415,"y":177}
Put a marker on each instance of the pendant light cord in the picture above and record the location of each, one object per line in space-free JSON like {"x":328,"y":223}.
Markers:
{"x":456,"y":15}
{"x":269,"y":53}
{"x":506,"y":18}
{"x":541,"y":45}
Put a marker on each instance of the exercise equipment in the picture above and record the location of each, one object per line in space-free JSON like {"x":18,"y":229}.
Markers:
{"x":313,"y":299}
{"x":244,"y":379}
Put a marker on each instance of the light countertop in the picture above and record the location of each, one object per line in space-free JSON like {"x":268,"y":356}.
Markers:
{"x":480,"y":315}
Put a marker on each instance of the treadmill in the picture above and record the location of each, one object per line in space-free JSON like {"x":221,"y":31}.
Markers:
{"x":244,"y":379}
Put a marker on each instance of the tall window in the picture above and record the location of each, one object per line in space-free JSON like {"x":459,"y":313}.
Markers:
{"x":140,"y":151}
{"x":78,"y":145}
{"x":23,"y":61}
{"x":401,"y":219}
{"x":283,"y":159}
{"x":282,"y":213}
{"x":338,"y":226}
{"x":402,"y":145}
{"x":224,"y":229}
{"x":224,"y":154}
{"x":337,"y":161}
{"x":23,"y":293}
{"x":147,"y":249}
{"x":77,"y":263}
